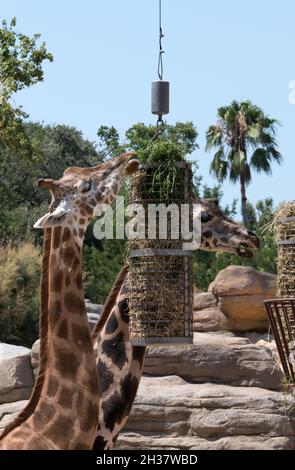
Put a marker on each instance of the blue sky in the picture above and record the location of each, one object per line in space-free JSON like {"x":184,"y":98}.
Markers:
{"x":106,"y":57}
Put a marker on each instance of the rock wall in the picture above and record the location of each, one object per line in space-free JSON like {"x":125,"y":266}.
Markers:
{"x":217,"y":358}
{"x":15,"y":373}
{"x":170,"y":413}
{"x":223,"y":392}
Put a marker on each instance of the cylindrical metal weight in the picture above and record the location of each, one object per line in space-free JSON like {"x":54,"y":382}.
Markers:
{"x":160,"y":97}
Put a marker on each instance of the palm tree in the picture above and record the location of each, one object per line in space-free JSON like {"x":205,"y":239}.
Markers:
{"x":244,"y":139}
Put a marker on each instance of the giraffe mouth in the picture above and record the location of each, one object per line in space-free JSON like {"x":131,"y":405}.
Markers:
{"x":245,"y":251}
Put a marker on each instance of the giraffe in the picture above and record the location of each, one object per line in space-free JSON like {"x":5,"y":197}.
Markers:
{"x":62,"y":413}
{"x":119,"y":364}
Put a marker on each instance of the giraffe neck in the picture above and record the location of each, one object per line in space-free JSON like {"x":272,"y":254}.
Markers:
{"x":119,"y":365}
{"x":69,"y":395}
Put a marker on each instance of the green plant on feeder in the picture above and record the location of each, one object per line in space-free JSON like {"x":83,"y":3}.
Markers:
{"x":161,"y":160}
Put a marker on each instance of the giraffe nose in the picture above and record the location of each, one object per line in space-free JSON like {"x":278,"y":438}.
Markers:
{"x":48,"y":184}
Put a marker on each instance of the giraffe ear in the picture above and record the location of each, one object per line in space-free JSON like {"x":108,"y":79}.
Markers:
{"x":52,"y":219}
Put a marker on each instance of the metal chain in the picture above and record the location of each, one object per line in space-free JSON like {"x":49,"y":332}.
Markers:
{"x":160,"y":131}
{"x":161,"y":128}
{"x":161,"y":50}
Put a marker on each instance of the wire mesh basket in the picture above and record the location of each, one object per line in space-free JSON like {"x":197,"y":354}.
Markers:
{"x":160,"y":271}
{"x":281,"y":314}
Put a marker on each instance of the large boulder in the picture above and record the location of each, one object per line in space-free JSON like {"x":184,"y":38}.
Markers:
{"x":35,"y":356}
{"x":15,"y":372}
{"x":217,"y":358}
{"x":8,"y":411}
{"x":234,"y":301}
{"x":209,"y":318}
{"x":242,"y":281}
{"x":170,"y":413}
{"x":93,"y":312}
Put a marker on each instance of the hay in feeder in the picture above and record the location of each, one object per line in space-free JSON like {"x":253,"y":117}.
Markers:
{"x":159,"y":301}
{"x":284,"y":225}
{"x":160,"y":281}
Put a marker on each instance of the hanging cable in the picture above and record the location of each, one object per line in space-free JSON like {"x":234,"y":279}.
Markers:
{"x":160,"y":87}
{"x":161,"y":50}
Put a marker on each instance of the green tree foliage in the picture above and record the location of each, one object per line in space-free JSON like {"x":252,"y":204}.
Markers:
{"x":184,"y":134}
{"x":19,"y":294}
{"x":21,"y":202}
{"x":139,"y":136}
{"x":215,"y":192}
{"x":21,"y":59}
{"x":244,"y":139}
{"x":109,"y":141}
{"x":101,"y":266}
{"x":21,"y":66}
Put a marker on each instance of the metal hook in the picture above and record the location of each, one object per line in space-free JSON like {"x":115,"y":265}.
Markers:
{"x":160,"y":125}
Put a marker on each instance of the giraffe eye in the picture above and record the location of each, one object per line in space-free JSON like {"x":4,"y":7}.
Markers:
{"x":86,"y":187}
{"x":205,"y":217}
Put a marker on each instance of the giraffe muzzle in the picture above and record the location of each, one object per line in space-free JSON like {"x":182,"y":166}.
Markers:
{"x":245,"y":250}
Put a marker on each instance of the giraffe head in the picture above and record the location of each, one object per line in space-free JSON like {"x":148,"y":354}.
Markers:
{"x":220,"y":233}
{"x":80,"y":191}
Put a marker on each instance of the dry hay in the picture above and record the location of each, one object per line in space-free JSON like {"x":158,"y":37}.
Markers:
{"x":157,"y":298}
{"x":160,"y":285}
{"x":284,"y":225}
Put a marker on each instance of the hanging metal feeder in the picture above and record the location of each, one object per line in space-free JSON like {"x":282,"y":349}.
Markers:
{"x":160,"y":271}
{"x":160,"y":289}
